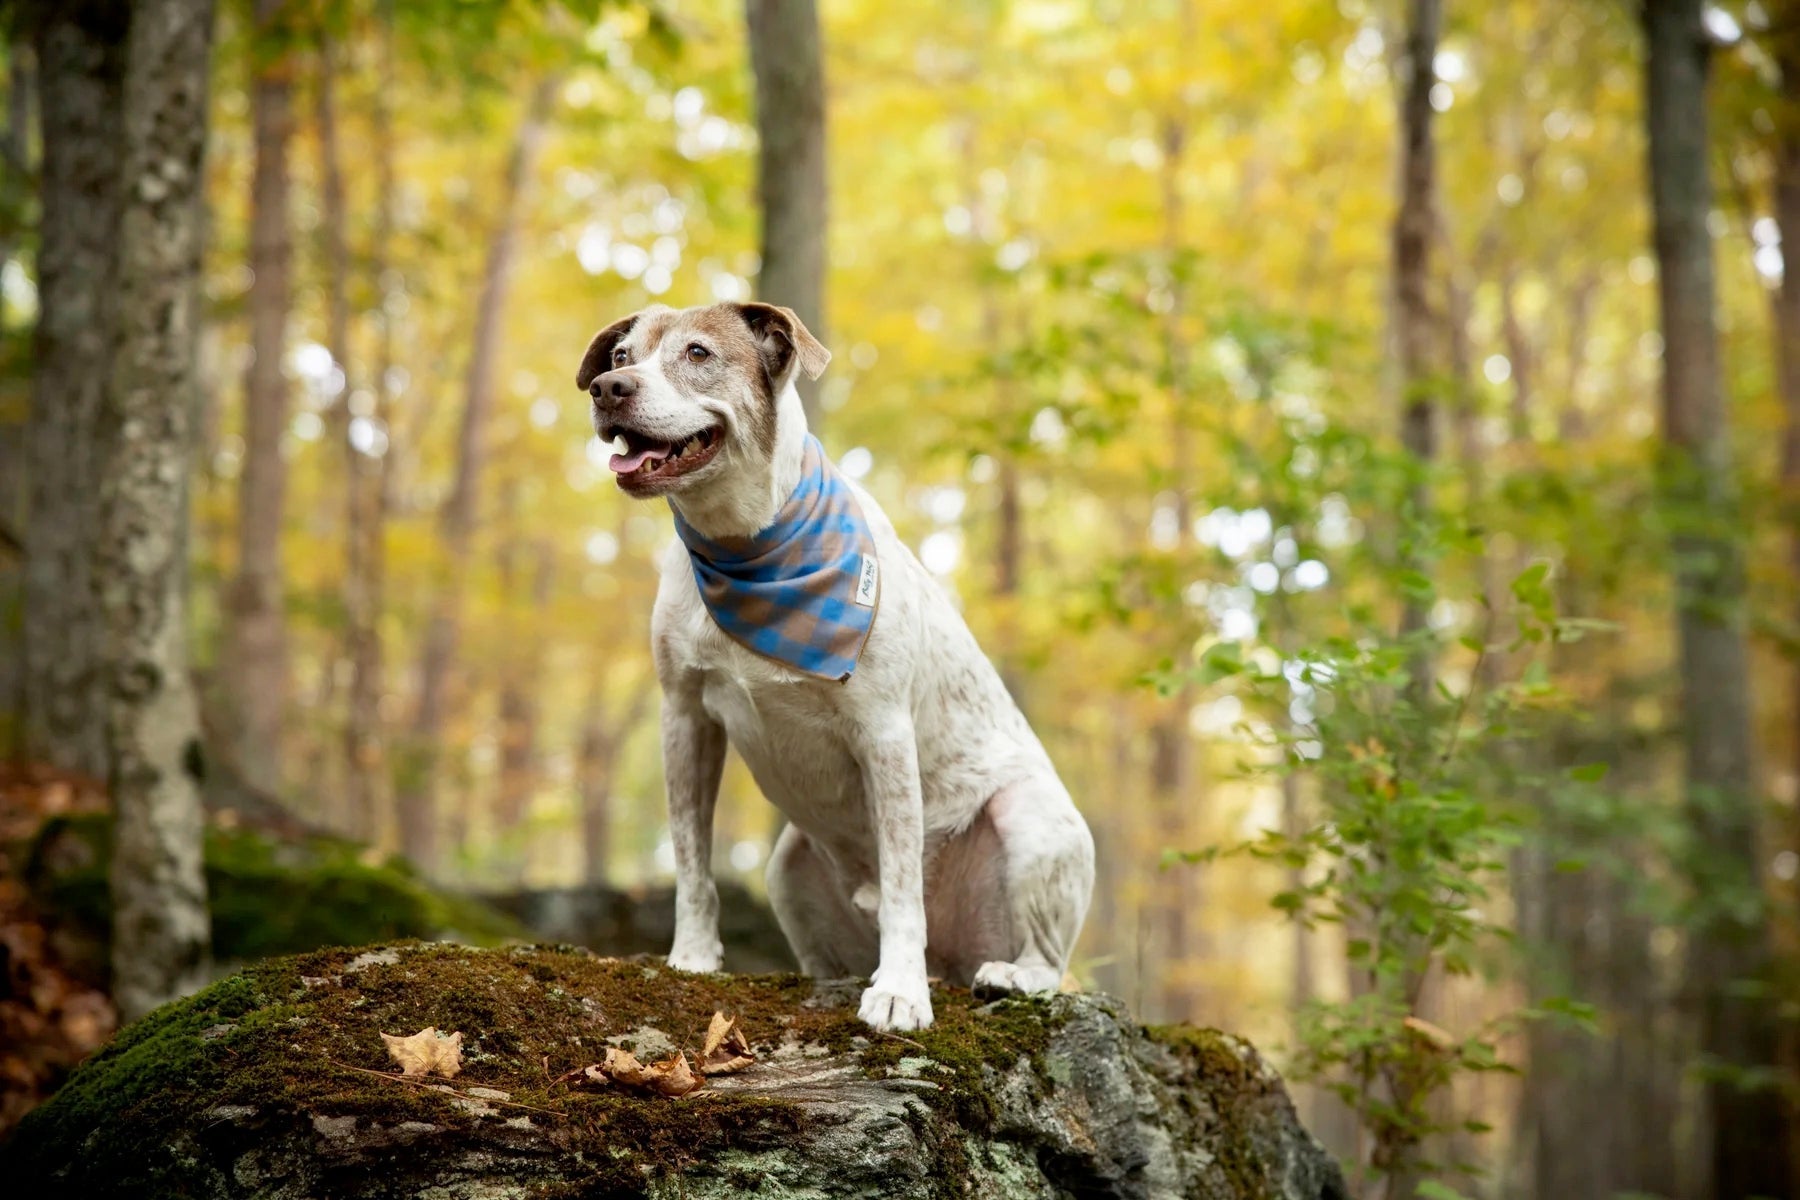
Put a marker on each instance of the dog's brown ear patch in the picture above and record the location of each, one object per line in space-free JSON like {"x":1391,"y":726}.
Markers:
{"x":780,"y":336}
{"x":598,"y":359}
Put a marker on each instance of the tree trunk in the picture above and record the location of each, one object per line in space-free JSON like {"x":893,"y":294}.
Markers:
{"x":1737,"y":1031}
{"x":81,"y":61}
{"x":1787,"y":350}
{"x":790,"y":163}
{"x":352,"y":814}
{"x":1172,"y":761}
{"x":602,"y":741}
{"x":254,"y":665}
{"x":522,"y":676}
{"x":1414,"y":221}
{"x":15,"y":459}
{"x":160,"y":928}
{"x":369,"y":486}
{"x":416,"y":801}
{"x":1415,"y":336}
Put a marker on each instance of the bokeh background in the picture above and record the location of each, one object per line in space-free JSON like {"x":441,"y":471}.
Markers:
{"x":1220,"y":421}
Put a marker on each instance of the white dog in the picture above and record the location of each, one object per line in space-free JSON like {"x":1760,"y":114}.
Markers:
{"x":928,"y":833}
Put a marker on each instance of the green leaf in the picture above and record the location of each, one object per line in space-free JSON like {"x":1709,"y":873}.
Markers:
{"x":1221,"y":661}
{"x":1588,"y":772}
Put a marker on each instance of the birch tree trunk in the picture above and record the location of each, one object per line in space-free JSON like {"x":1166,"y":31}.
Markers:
{"x":160,"y":925}
{"x":416,"y":794}
{"x":1726,"y":949}
{"x":790,"y":163}
{"x":81,"y":59}
{"x":254,"y":665}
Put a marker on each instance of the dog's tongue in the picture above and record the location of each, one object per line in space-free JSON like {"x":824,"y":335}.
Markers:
{"x":624,"y":464}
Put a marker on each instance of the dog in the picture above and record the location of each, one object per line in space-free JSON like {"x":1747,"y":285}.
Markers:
{"x":927,"y":833}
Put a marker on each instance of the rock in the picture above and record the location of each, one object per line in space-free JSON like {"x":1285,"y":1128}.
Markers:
{"x":1043,"y":1097}
{"x":269,"y":894}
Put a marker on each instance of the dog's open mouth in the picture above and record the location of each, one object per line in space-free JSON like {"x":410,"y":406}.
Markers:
{"x":648,"y":460}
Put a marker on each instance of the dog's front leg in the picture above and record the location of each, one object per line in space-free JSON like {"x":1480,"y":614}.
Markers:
{"x":898,"y":996}
{"x":693,"y":757}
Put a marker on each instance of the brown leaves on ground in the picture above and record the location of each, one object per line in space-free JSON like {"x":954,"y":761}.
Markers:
{"x":50,"y":1017}
{"x":725,"y":1052}
{"x":426,"y":1052}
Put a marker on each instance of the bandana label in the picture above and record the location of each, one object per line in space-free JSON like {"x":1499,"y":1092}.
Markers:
{"x":803,"y":590}
{"x":866,"y":582}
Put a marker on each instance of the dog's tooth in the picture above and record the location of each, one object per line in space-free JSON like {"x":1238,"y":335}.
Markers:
{"x":619,"y":444}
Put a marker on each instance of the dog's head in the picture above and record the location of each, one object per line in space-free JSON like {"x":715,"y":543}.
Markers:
{"x":692,"y":391}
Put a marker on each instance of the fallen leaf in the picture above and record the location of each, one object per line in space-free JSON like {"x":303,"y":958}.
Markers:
{"x":673,"y":1077}
{"x":715,"y":1033}
{"x":622,"y":1066}
{"x":670,"y":1077}
{"x":426,"y":1052}
{"x":726,"y":1050}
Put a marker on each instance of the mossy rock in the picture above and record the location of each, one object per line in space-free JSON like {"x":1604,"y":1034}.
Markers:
{"x":268,"y":895}
{"x":265,"y":1085}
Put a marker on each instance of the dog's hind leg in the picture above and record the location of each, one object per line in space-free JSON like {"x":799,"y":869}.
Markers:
{"x":1048,"y":878}
{"x":830,"y":937}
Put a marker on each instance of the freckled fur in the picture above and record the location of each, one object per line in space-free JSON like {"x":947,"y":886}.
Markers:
{"x":929,"y":832}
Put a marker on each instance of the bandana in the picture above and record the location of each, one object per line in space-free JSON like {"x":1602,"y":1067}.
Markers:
{"x":802,"y":590}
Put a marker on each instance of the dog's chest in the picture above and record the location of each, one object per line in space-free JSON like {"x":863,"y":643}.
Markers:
{"x":787,"y":727}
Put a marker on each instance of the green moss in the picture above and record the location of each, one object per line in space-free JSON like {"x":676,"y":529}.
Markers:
{"x":267,"y":897}
{"x":1238,"y":1090}
{"x":968,"y":1041}
{"x":285,"y":1038}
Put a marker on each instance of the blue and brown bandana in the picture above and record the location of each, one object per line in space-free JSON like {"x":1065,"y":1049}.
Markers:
{"x":801,"y":591}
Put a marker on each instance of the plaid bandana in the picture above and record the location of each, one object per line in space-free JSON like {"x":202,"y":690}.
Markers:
{"x":801,"y":591}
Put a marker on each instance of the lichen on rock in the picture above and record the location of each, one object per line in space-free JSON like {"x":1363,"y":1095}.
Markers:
{"x":270,"y":1084}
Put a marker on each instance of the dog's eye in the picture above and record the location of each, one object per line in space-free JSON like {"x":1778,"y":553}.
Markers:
{"x":619,"y":357}
{"x":698,"y":353}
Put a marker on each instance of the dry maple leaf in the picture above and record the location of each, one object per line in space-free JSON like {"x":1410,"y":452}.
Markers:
{"x":670,"y":1077}
{"x":726,"y":1050}
{"x":426,"y":1052}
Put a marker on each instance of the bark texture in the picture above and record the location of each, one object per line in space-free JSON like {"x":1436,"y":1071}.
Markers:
{"x":1054,"y":1097}
{"x":140,"y":560}
{"x":790,"y":163}
{"x":16,"y":178}
{"x":1414,"y":223}
{"x":81,"y":56}
{"x":254,"y":665}
{"x":1726,"y":950}
{"x":416,"y":799}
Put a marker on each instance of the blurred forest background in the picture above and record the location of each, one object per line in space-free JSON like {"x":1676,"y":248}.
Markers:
{"x":1366,"y":434}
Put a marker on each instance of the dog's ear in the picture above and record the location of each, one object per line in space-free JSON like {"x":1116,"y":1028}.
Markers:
{"x":598,"y":359}
{"x":781,"y":337}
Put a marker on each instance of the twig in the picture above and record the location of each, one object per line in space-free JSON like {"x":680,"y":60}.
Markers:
{"x":439,"y":1087}
{"x":907,"y":1040}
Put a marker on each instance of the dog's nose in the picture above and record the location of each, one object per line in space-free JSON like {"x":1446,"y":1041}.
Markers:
{"x":614,"y":385}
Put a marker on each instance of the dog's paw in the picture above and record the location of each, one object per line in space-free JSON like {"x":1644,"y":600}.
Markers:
{"x":892,"y":1008}
{"x":1004,"y":979}
{"x":701,"y":960}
